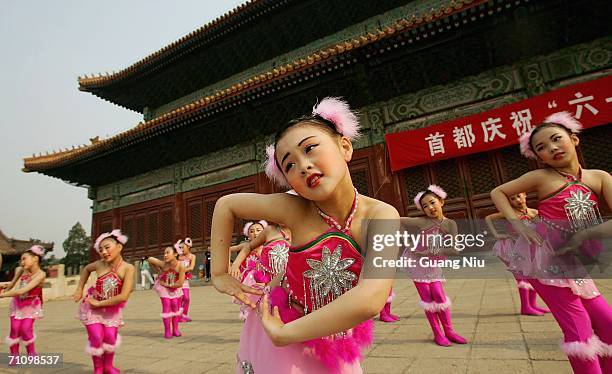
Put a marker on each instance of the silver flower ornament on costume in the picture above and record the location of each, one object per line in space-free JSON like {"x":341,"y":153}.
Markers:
{"x":330,"y":277}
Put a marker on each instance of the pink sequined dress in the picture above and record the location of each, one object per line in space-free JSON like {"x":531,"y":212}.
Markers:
{"x":28,"y":305}
{"x":503,"y":248}
{"x":168,"y":277}
{"x":571,"y":208}
{"x":429,"y":246}
{"x":106,"y":287}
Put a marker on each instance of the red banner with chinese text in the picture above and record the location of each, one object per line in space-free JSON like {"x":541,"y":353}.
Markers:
{"x":590,"y":102}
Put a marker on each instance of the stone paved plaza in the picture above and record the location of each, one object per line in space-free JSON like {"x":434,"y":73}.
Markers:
{"x":485,"y":312}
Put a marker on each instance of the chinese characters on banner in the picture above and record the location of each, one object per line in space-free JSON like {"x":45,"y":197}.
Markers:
{"x":590,"y":102}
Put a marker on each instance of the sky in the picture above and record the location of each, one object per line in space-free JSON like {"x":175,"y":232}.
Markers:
{"x":46,"y":45}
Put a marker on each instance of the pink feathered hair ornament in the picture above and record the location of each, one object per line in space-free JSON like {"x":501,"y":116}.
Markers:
{"x":340,"y":114}
{"x":332,"y":109}
{"x":189,"y":242}
{"x":564,"y":119}
{"x":272,"y":170}
{"x":37,"y":250}
{"x":116,"y":233}
{"x":178,"y":247}
{"x":435,"y":189}
{"x":247,"y":226}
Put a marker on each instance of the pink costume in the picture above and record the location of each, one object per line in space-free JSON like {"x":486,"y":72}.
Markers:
{"x":185,"y":300}
{"x":171,"y":302}
{"x":428,"y":282}
{"x":317,"y":273}
{"x":504,"y":249}
{"x":23,"y":311}
{"x":582,"y":313}
{"x":103,"y":323}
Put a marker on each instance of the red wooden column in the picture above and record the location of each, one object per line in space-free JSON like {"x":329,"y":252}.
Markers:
{"x":386,"y":183}
{"x":116,"y":218}
{"x":179,"y":221}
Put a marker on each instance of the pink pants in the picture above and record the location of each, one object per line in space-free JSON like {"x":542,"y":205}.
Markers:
{"x":103,"y":341}
{"x":22,"y":330}
{"x":586,"y":326}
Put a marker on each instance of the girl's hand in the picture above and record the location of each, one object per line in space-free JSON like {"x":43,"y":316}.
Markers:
{"x":93,"y":302}
{"x":235,"y":271}
{"x":272,"y":323}
{"x":528,"y":233}
{"x":226,"y":284}
{"x":77,"y":296}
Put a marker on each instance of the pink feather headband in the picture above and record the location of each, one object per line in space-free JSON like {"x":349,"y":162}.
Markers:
{"x":247,"y":226}
{"x":178,"y":247}
{"x":116,"y":233}
{"x":436,"y":190}
{"x":331,"y":109}
{"x":37,"y":250}
{"x":560,"y":118}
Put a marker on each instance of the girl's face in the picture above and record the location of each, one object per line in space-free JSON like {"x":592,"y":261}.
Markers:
{"x":28,"y":260}
{"x":554,"y":146}
{"x":518,"y":201}
{"x":432,"y":206}
{"x":255,"y":230}
{"x":169,"y":254}
{"x":110,"y":249}
{"x":313,"y":161}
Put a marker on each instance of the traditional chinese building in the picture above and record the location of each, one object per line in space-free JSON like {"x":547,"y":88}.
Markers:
{"x":414,"y":69}
{"x":11,"y":251}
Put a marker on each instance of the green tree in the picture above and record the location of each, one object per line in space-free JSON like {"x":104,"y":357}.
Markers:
{"x":76,"y":246}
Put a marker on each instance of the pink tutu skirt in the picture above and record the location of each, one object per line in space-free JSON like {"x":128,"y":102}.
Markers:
{"x":110,"y":316}
{"x":168,"y":292}
{"x":423,"y":274}
{"x":257,"y":354}
{"x":30,"y":307}
{"x":541,"y":263}
{"x":503,"y":249}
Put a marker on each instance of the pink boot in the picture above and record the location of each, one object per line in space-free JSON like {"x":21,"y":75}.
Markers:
{"x":439,"y":337}
{"x":109,"y":356}
{"x":526,"y":308}
{"x":167,"y":330}
{"x":13,"y":344}
{"x":175,"y":325}
{"x":29,"y":344}
{"x":583,"y":355}
{"x":533,"y":297}
{"x":96,"y":358}
{"x":385,"y":315}
{"x":445,"y":318}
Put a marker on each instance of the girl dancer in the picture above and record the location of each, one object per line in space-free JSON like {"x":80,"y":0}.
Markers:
{"x":428,"y":281}
{"x":271,"y":248}
{"x":322,"y":316}
{"x":26,"y":305}
{"x":101,"y":309}
{"x":169,"y":287}
{"x":569,"y":199}
{"x":504,"y":247}
{"x":251,"y":230}
{"x":267,"y":255}
{"x":188,"y":261}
